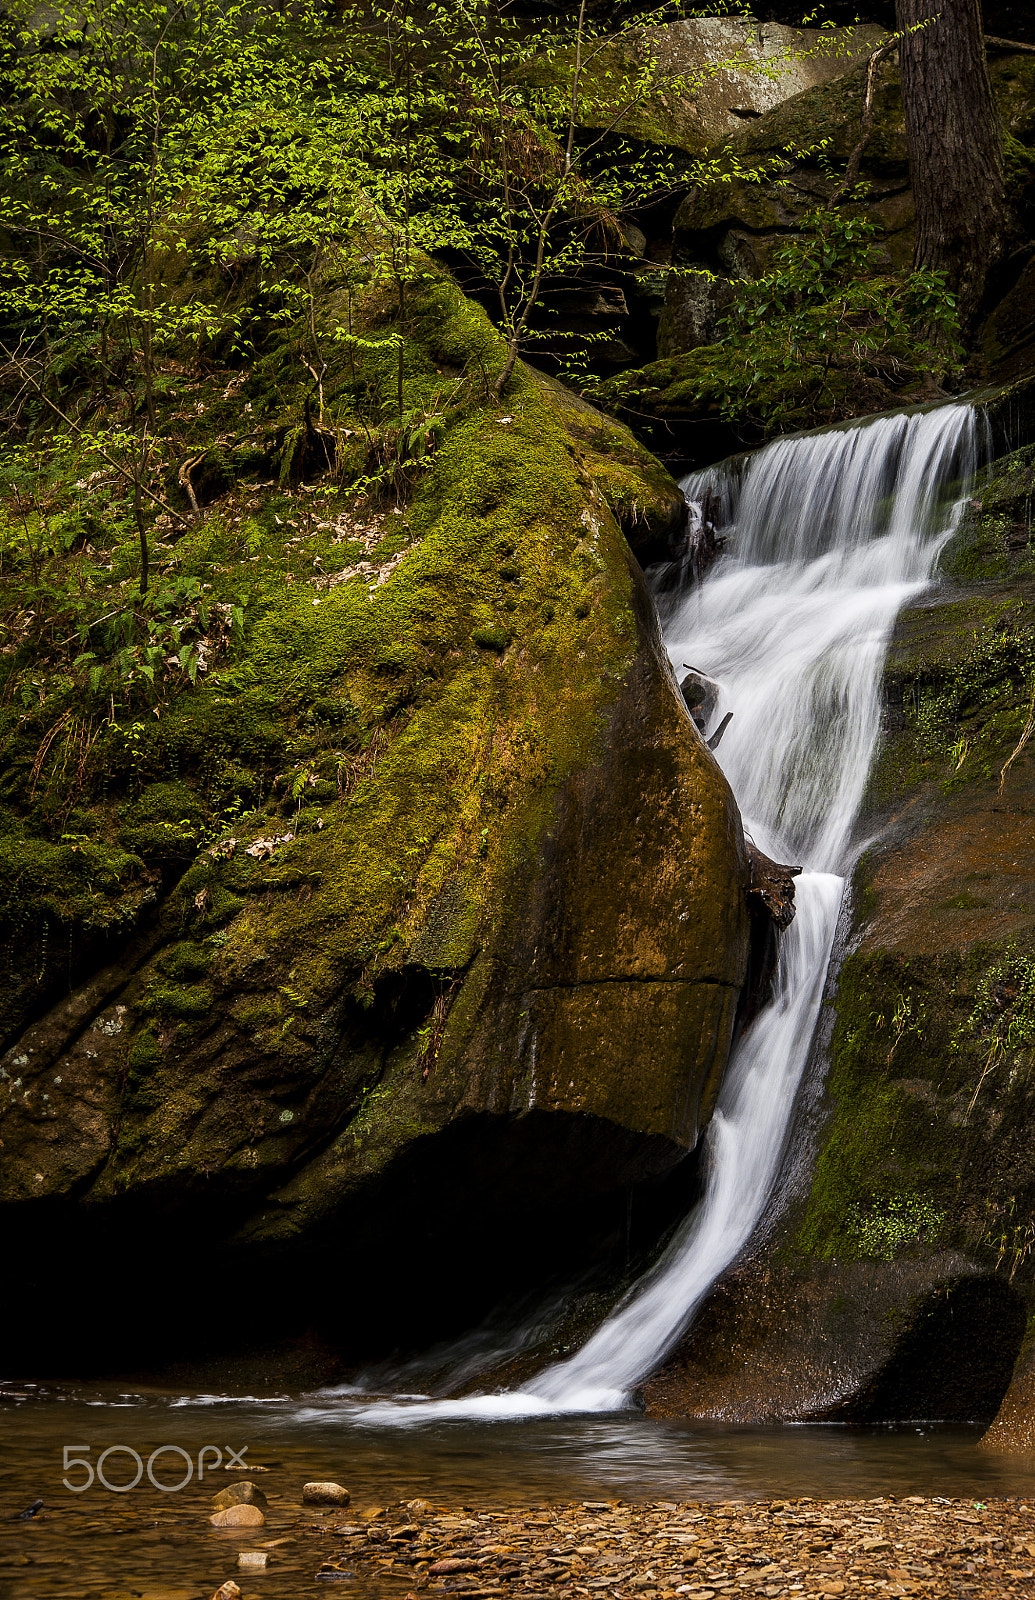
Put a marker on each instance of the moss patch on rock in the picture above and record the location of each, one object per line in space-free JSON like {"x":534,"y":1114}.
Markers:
{"x":374,"y":871}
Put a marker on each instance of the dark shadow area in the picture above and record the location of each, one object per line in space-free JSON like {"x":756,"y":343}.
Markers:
{"x":496,"y":1212}
{"x":953,"y":1361}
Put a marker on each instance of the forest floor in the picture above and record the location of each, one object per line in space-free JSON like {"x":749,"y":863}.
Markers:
{"x":915,"y":1546}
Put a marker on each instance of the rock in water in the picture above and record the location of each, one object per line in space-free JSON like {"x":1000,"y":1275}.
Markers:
{"x":701,"y":695}
{"x":252,"y":1558}
{"x":238,"y":1494}
{"x":241,"y":1516}
{"x":325,"y":1494}
{"x":227,"y":1591}
{"x":29,"y":1512}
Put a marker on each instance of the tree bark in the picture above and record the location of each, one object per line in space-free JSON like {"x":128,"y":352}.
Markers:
{"x":955,"y":145}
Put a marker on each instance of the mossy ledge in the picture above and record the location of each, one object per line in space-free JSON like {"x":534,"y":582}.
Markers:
{"x":422,"y":918}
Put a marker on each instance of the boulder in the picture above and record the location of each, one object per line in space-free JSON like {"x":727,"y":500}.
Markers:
{"x":729,"y":72}
{"x":449,"y":948}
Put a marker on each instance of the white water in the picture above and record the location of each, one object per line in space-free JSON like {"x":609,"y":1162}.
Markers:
{"x":828,"y":535}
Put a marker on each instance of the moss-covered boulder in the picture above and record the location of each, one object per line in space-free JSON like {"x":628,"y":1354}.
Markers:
{"x":897,"y":1279}
{"x":783,"y":164}
{"x":416,"y":923}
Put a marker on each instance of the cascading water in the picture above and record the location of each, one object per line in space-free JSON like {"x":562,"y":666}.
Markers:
{"x":827,"y":536}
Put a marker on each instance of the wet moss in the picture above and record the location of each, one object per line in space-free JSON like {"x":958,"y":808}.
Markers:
{"x":933,"y":1049}
{"x":351,"y":792}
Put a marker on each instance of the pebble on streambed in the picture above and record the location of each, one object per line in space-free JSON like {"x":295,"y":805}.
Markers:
{"x":239,"y":1494}
{"x":325,"y":1494}
{"x":237,"y":1517}
{"x":666,"y":1551}
{"x":227,"y":1591}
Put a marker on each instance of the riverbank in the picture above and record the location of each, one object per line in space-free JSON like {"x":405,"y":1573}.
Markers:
{"x":769,"y":1548}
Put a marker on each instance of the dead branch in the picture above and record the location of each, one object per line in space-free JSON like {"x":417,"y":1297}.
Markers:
{"x":1026,"y":733}
{"x":851,"y":177}
{"x":183,"y":477}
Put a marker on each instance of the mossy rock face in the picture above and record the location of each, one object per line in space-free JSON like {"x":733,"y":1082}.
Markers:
{"x":794,"y":155}
{"x":442,"y":880}
{"x":904,"y":1258}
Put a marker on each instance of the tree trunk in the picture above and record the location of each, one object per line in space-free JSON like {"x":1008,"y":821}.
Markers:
{"x":955,"y":145}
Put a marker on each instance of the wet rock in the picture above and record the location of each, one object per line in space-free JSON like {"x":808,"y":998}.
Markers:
{"x":324,"y":1494}
{"x":29,"y":1512}
{"x":701,"y":696}
{"x":452,"y":1564}
{"x":255,"y":1559}
{"x":239,"y":1494}
{"x":238,"y":1516}
{"x":586,"y":923}
{"x":227,"y":1591}
{"x":772,"y":887}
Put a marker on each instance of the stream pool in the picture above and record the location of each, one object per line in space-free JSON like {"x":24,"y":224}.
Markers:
{"x":150,"y":1544}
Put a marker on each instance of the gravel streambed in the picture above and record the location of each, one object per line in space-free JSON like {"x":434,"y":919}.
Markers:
{"x":658,"y":1551}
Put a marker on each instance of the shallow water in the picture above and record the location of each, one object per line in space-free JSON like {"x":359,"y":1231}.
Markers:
{"x":158,"y":1546}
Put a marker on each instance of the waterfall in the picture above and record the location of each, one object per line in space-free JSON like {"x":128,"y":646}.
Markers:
{"x":826,"y":536}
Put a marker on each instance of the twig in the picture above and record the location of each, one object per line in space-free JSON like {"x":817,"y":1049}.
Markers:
{"x":1026,"y":733}
{"x":184,"y":480}
{"x":991,"y":1062}
{"x":851,"y":177}
{"x":1009,"y":44}
{"x":81,"y":433}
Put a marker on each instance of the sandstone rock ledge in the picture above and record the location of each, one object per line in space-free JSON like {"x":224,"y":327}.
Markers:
{"x":455,"y":969}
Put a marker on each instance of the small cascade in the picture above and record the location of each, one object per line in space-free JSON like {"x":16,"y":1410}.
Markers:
{"x":824,"y":538}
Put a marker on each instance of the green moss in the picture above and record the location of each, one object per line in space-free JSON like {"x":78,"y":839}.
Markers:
{"x":184,"y":961}
{"x":184,"y":1001}
{"x":931,"y":1083}
{"x":145,"y":1054}
{"x":882,"y":1157}
{"x":494,"y":637}
{"x":994,"y":537}
{"x":398,"y":745}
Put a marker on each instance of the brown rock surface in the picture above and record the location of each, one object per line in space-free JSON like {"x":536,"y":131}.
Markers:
{"x":238,"y":1516}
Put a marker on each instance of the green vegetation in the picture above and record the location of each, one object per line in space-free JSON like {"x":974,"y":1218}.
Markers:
{"x":928,"y":1103}
{"x":825,"y":333}
{"x":265,"y":534}
{"x":933,"y":1051}
{"x":903,"y":1221}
